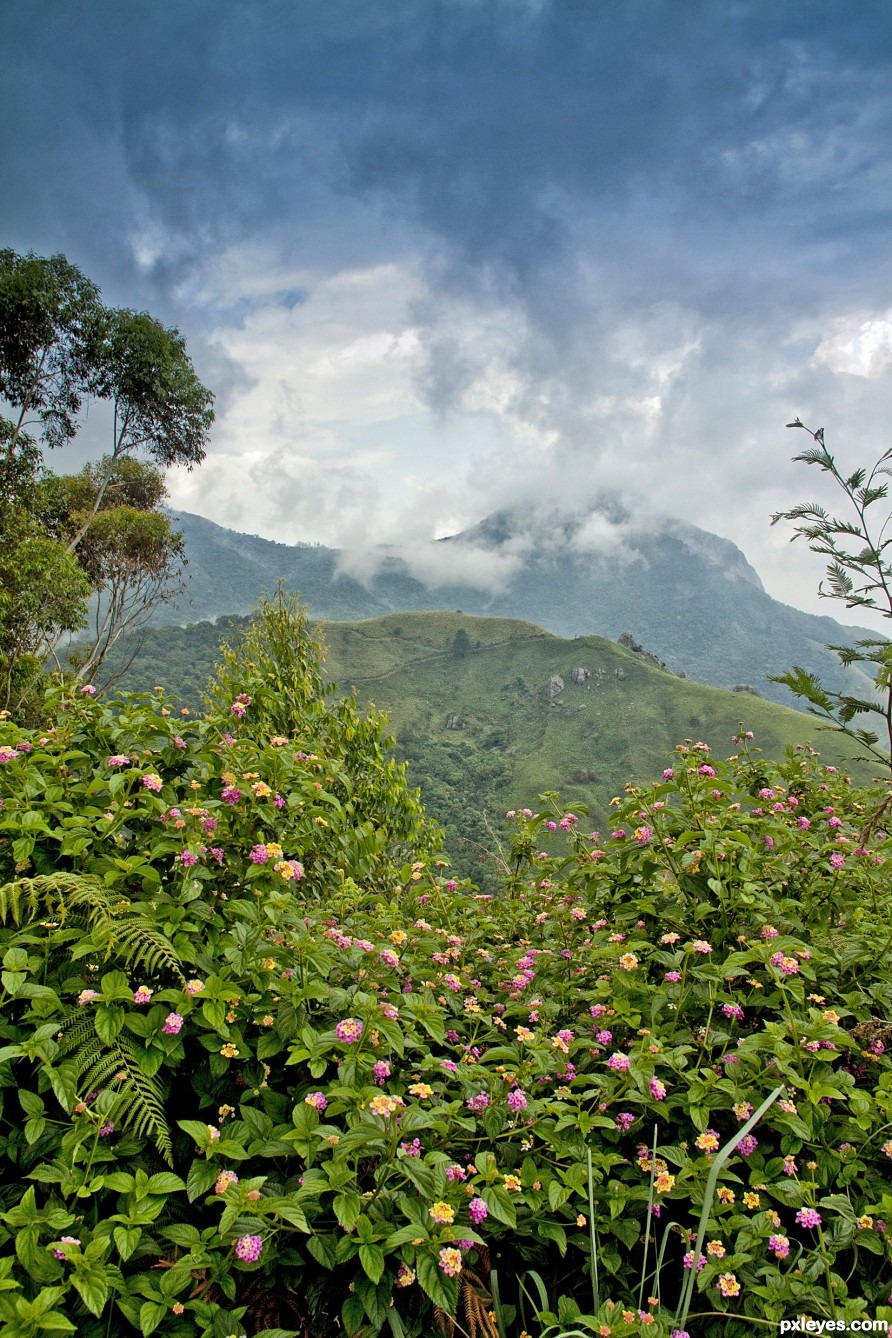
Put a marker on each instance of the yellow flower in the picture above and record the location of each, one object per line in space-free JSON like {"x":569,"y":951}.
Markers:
{"x":581,"y":1220}
{"x":274,"y":850}
{"x":664,"y":1182}
{"x":229,"y":1051}
{"x":865,"y":1222}
{"x":442,"y":1213}
{"x":421,"y":1089}
{"x":386,"y":1105}
{"x":716,"y":1249}
{"x":751,"y":1200}
{"x":725,"y":1195}
{"x":511,"y":1183}
{"x":260,"y":789}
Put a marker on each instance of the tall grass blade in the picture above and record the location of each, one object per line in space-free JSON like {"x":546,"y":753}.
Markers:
{"x":721,"y":1157}
{"x":497,"y":1304}
{"x":649,"y":1217}
{"x":593,"y":1235}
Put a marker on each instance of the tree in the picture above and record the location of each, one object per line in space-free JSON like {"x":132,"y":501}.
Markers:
{"x":59,"y":346}
{"x":129,"y":552}
{"x":50,"y":329}
{"x":860,"y":575}
{"x":43,"y":595}
{"x":160,"y":406}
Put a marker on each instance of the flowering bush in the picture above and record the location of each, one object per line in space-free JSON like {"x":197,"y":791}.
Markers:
{"x":240,"y":1097}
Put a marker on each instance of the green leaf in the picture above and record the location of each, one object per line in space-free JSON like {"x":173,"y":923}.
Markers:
{"x":499,"y":1204}
{"x":164,"y":1182}
{"x":151,"y":1314}
{"x":93,"y":1288}
{"x":200,"y":1178}
{"x":372,"y":1259}
{"x":443,"y":1291}
{"x":127,"y":1239}
{"x":109,"y":1022}
{"x":347,"y":1208}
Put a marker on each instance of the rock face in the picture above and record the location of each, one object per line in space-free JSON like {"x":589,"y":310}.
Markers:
{"x":555,"y":686}
{"x":580,"y":676}
{"x":455,"y":722}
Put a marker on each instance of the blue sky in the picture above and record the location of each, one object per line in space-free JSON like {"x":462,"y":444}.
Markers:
{"x":441,"y":257}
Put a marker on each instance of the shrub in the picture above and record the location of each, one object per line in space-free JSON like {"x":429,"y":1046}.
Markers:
{"x":265,"y":1066}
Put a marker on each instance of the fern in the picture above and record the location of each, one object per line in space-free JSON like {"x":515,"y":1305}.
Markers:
{"x":97,"y":1065}
{"x":113,"y":926}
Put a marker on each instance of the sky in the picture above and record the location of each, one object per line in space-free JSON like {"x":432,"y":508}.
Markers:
{"x":441,"y":257}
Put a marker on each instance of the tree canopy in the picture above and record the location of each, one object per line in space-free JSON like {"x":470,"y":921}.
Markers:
{"x":96,"y":543}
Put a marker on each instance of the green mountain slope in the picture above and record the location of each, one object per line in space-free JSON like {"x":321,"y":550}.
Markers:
{"x":490,"y":713}
{"x":687,"y":595}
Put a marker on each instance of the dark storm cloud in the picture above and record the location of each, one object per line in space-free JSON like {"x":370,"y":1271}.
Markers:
{"x":634,"y":220}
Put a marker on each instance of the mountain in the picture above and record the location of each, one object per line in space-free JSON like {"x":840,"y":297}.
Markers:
{"x":689,"y":596}
{"x":489,"y":712}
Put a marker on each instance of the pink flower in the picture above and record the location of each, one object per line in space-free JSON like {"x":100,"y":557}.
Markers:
{"x":477,"y":1211}
{"x":119,"y":760}
{"x":258,"y":854}
{"x":808,"y":1217}
{"x":747,"y":1145}
{"x":187,"y":859}
{"x":381,"y":1071}
{"x":317,"y":1101}
{"x":87,"y":996}
{"x":618,"y":1061}
{"x":450,"y":1261}
{"x":517,"y":1099}
{"x":88,"y":690}
{"x":779,"y":1245}
{"x":142,"y":995}
{"x":65,"y":1240}
{"x":152,"y":781}
{"x":349,"y":1030}
{"x":230,"y":794}
{"x":249,"y":1248}
{"x":837,"y":861}
{"x":657,"y":1089}
{"x":624,"y":1121}
{"x":668,"y":774}
{"x":700,"y":945}
{"x":194,"y":986}
{"x":173,"y":1024}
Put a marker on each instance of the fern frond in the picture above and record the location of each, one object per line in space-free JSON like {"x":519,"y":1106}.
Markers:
{"x":57,"y":894}
{"x":136,"y":940}
{"x":140,"y":1100}
{"x":114,"y":927}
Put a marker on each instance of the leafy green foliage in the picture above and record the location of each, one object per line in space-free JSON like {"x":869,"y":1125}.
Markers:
{"x":266,"y":1068}
{"x":860,"y":575}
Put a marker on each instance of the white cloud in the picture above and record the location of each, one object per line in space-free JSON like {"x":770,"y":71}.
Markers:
{"x":858,"y":345}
